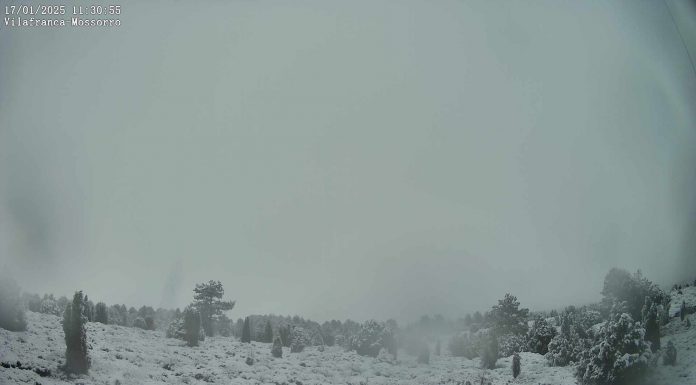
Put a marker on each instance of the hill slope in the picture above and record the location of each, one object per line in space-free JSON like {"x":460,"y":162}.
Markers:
{"x":134,"y":356}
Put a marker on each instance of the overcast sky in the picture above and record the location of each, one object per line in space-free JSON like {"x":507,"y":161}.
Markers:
{"x":353,"y":159}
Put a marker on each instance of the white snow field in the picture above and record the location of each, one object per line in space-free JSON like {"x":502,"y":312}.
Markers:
{"x":125,"y":356}
{"x":133,"y":356}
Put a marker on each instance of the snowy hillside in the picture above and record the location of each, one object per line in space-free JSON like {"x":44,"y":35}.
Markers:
{"x":684,"y":339}
{"x":124,"y":356}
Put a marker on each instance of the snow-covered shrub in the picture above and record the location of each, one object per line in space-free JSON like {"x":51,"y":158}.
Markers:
{"x":299,"y":338}
{"x":11,"y":308}
{"x":277,"y":348}
{"x":510,"y":344}
{"x":385,"y":357}
{"x":101,"y":313}
{"x":49,"y":306}
{"x":372,"y":337}
{"x":619,"y":356}
{"x":565,"y":349}
{"x":340,"y":340}
{"x":76,"y":358}
{"x":670,"y":357}
{"x":516,"y":365}
{"x":489,"y":352}
{"x":540,"y":335}
{"x":176,"y":328}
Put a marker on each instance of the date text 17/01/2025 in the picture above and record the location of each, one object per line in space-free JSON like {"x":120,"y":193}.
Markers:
{"x":61,"y":10}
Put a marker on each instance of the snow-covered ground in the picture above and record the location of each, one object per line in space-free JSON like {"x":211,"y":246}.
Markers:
{"x":126,"y":356}
{"x":684,"y":339}
{"x":133,"y":356}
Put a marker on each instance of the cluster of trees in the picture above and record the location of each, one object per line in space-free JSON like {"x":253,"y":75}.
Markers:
{"x":611,"y":342}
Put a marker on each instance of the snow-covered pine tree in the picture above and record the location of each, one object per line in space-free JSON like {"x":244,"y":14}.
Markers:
{"x":246,"y":331}
{"x":508,"y":318}
{"x":208,"y":301}
{"x":76,"y":357}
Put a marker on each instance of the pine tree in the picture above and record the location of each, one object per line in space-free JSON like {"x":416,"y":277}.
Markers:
{"x":208,"y":301}
{"x":682,"y":311}
{"x":508,"y":318}
{"x":277,"y":348}
{"x":268,"y":332}
{"x":192,"y":326}
{"x":246,"y":331}
{"x":515,"y":365}
{"x":76,"y":358}
{"x":101,"y":313}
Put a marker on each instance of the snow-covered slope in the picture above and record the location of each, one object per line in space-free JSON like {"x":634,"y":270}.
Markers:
{"x":684,"y":339}
{"x":132,"y":356}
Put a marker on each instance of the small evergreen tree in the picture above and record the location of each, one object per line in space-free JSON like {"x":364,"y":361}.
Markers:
{"x":101,"y":313}
{"x":268,"y":332}
{"x":688,"y":322}
{"x":277,"y":348}
{"x":192,"y":326}
{"x":515,"y":365}
{"x":682,"y":311}
{"x":670,"y":357}
{"x":76,"y":358}
{"x":246,"y":331}
{"x":149,"y":323}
